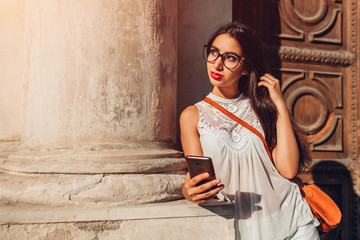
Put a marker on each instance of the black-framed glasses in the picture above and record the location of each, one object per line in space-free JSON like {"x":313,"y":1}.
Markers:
{"x":229,"y":60}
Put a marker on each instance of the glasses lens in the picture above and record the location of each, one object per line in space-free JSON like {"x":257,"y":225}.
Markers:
{"x":230,"y":60}
{"x":205,"y":55}
{"x":213,"y":55}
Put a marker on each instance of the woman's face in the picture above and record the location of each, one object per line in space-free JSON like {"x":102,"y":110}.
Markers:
{"x":221,"y":76}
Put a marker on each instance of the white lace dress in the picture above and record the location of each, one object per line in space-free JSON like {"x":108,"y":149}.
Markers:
{"x":267,"y":206}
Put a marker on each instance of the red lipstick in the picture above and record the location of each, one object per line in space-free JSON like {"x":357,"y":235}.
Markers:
{"x":216,"y":76}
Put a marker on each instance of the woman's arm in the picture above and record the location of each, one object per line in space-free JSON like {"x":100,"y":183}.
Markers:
{"x":286,"y":152}
{"x":190,"y":140}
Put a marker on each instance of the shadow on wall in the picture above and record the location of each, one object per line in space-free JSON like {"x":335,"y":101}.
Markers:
{"x":335,"y":179}
{"x":196,"y":21}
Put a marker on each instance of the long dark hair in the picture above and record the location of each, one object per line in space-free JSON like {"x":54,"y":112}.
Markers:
{"x":255,"y":64}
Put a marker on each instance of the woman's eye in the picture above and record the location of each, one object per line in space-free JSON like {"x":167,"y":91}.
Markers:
{"x":213,"y":52}
{"x":231,"y":58}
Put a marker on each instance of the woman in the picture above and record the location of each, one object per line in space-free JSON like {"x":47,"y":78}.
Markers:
{"x":267,"y":204}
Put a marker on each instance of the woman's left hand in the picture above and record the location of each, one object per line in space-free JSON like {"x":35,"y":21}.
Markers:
{"x":273,"y":85}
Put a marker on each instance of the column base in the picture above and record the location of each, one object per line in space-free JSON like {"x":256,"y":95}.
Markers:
{"x":127,"y":176}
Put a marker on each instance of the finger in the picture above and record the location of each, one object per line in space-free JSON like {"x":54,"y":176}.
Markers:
{"x":196,"y":190}
{"x":206,"y":186}
{"x":269,"y":83}
{"x":198,"y":178}
{"x":187,"y":177}
{"x":267,"y":79}
{"x":200,"y":202}
{"x":207,"y":195}
{"x":265,"y":84}
{"x":271,"y":77}
{"x":264,"y":76}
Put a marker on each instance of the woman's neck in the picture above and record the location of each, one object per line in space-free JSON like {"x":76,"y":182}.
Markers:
{"x":228,"y":93}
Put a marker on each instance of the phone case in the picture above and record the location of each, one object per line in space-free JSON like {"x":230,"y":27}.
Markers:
{"x":200,"y":164}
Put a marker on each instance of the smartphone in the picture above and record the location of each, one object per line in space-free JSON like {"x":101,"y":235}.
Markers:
{"x":200,"y":164}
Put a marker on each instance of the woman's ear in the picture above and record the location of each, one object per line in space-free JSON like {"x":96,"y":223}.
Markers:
{"x":245,"y":70}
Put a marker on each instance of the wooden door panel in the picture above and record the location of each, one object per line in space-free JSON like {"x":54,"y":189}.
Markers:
{"x":314,"y":100}
{"x":311,"y":21}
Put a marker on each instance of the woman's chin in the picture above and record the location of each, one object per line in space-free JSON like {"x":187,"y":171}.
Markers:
{"x":216,"y":82}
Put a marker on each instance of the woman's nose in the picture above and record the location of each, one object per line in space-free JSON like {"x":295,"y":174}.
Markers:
{"x":218,"y":63}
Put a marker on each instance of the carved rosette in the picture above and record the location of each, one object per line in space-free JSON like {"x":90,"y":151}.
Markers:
{"x":311,"y":21}
{"x":315,"y":101}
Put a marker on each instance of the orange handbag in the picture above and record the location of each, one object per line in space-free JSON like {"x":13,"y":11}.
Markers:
{"x":322,"y":206}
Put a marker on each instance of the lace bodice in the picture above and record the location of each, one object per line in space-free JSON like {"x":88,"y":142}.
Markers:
{"x":234,"y":135}
{"x":267,"y":206}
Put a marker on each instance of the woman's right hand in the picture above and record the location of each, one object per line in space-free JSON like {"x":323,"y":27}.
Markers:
{"x":202,"y":193}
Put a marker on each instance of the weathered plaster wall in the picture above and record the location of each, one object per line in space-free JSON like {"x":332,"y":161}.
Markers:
{"x":11,"y":68}
{"x":88,"y":71}
{"x":197,"y":21}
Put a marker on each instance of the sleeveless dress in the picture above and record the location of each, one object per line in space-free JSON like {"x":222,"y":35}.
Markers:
{"x":267,"y":205}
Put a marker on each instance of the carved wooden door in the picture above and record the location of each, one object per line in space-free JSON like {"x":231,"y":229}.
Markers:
{"x":312,"y":46}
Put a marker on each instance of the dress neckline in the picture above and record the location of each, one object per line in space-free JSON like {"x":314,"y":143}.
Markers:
{"x":225,"y":100}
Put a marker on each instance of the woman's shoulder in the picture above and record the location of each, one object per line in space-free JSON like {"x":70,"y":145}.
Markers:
{"x":190,"y":115}
{"x":190,"y":112}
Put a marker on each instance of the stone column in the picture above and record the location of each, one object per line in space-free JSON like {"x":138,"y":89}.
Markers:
{"x":99,"y":104}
